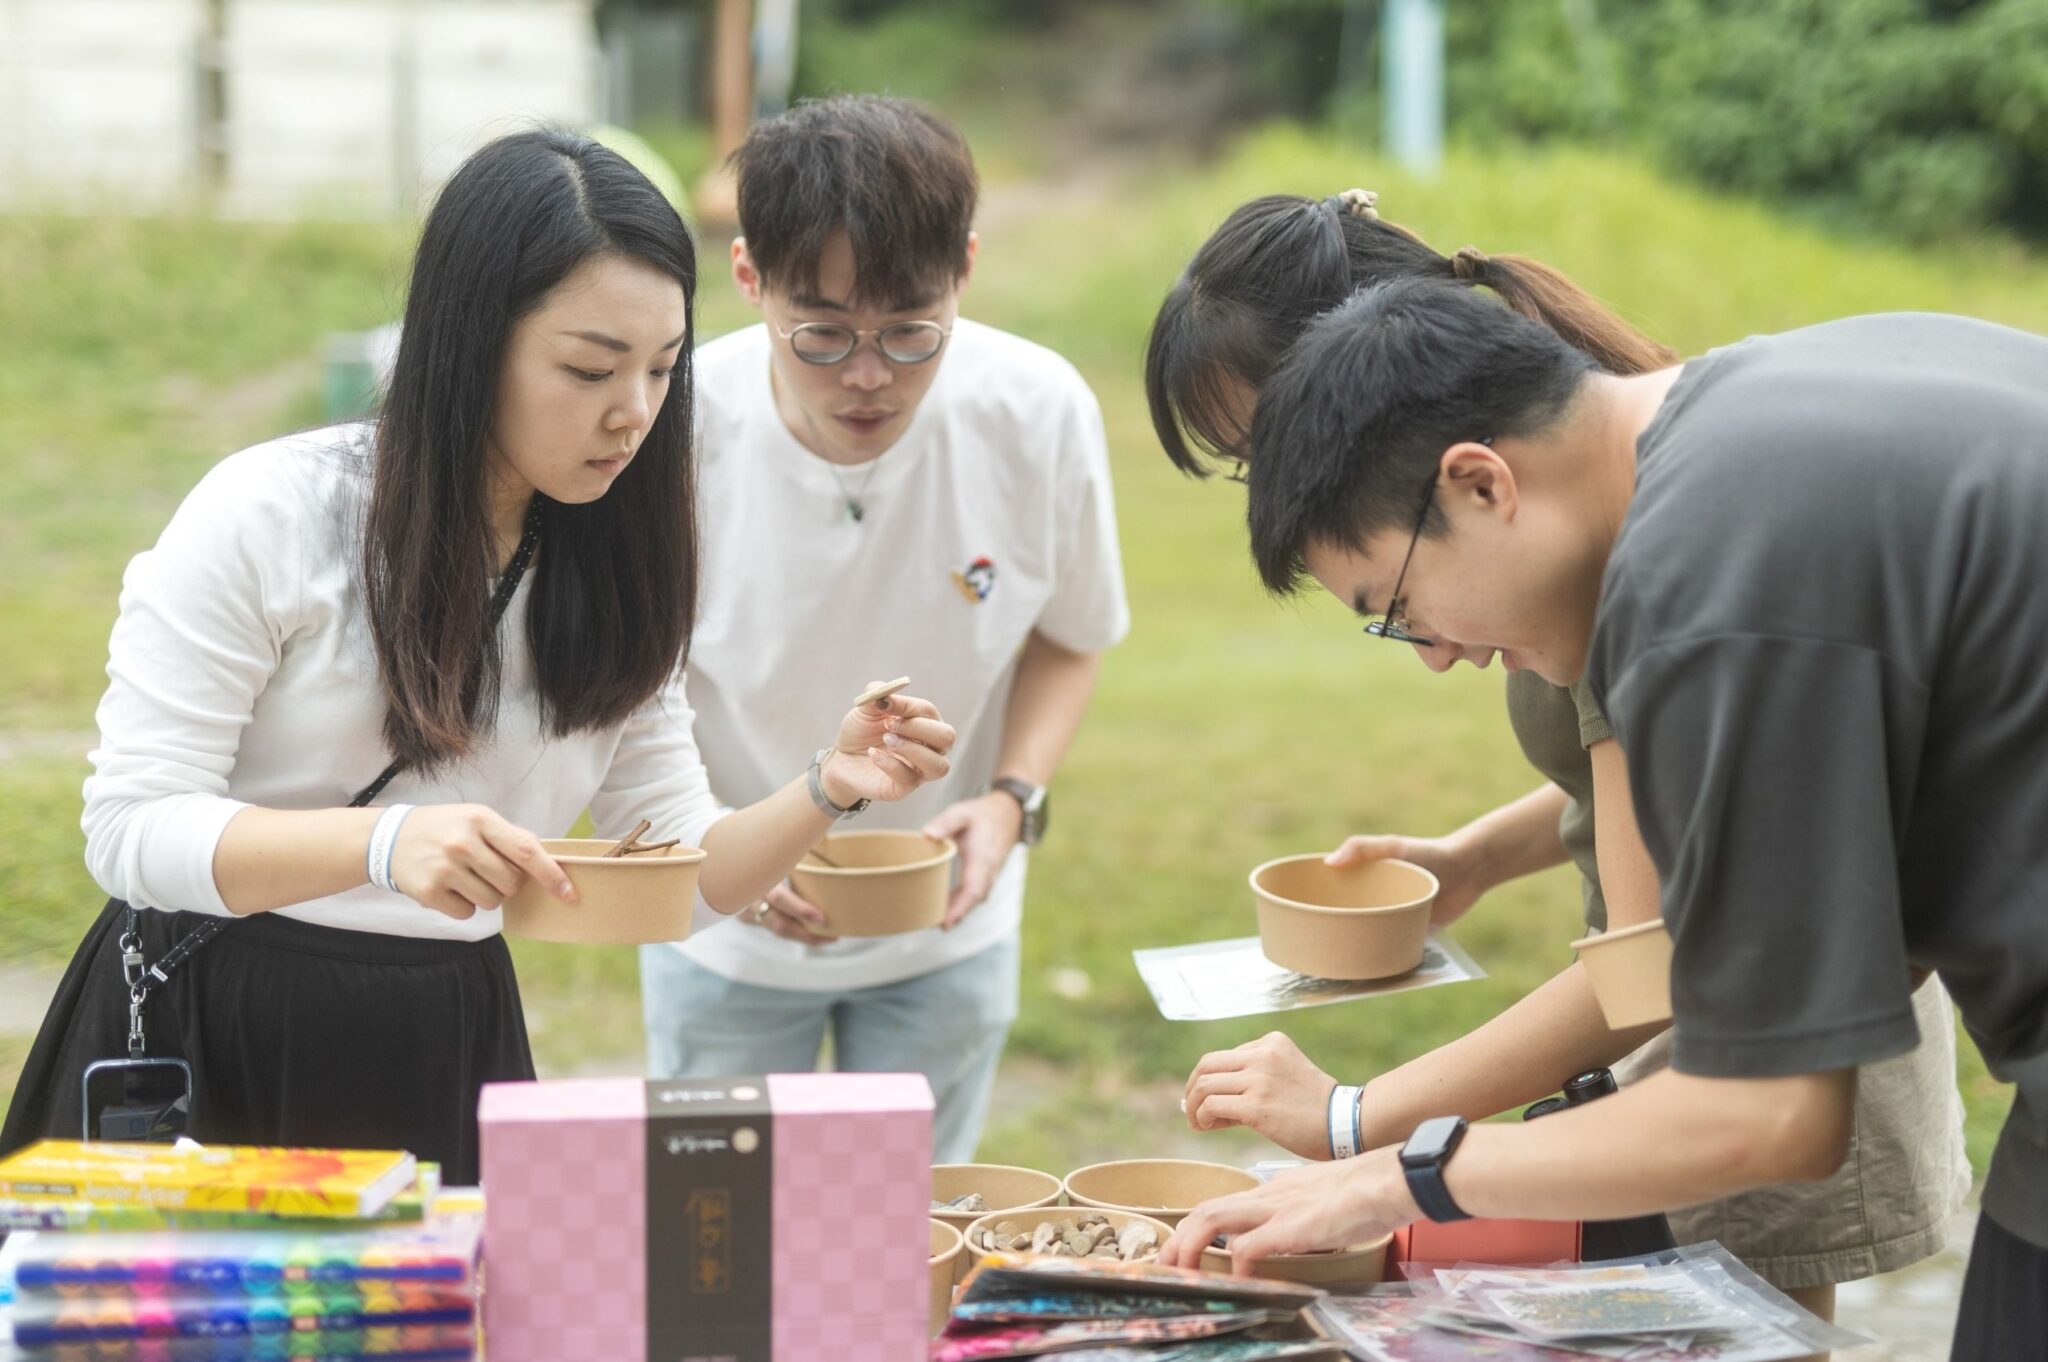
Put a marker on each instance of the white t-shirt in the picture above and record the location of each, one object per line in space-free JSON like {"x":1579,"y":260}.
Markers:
{"x":989,"y":518}
{"x":241,"y":673}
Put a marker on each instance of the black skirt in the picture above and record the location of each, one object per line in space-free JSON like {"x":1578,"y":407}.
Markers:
{"x":296,"y":1034}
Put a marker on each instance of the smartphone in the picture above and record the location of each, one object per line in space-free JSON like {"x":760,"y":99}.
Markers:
{"x":147,"y":1100}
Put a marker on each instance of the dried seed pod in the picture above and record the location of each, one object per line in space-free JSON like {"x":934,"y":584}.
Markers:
{"x":1045,"y":1236}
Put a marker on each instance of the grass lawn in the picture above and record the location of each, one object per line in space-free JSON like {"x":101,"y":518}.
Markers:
{"x":1227,"y":729}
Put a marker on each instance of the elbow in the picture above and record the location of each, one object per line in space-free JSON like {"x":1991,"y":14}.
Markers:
{"x":1798,"y":1130}
{"x":109,"y":857}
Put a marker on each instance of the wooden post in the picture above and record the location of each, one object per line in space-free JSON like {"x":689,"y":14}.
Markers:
{"x":732,"y":99}
{"x":1412,"y":62}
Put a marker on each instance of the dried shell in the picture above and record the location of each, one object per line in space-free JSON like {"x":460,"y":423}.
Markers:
{"x":1138,"y":1240}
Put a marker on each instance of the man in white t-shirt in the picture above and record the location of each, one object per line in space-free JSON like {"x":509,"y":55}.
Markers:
{"x":887,"y":489}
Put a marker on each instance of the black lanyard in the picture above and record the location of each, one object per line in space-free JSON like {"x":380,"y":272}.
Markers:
{"x":141,"y":976}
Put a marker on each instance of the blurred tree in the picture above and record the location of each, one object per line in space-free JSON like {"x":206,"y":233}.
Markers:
{"x":1922,"y":118}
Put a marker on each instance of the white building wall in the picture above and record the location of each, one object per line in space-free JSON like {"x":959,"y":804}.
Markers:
{"x":99,"y":99}
{"x":334,"y":107}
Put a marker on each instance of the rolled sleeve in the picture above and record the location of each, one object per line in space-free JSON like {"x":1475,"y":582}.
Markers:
{"x":1760,"y":768}
{"x":202,"y":622}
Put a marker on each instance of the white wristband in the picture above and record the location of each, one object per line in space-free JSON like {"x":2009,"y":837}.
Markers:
{"x":1344,"y":1121}
{"x":383,"y":842}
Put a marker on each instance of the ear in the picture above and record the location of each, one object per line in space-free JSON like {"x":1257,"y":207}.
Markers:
{"x":744,"y":275}
{"x":1479,"y":479}
{"x":967,"y":270}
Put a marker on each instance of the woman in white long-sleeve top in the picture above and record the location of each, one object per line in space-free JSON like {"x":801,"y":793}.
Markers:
{"x":366,"y":668}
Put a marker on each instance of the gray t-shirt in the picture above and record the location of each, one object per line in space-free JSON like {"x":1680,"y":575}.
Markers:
{"x":1823,"y":644}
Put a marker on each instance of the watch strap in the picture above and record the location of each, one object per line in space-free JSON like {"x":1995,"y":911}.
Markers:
{"x":1432,"y":1196}
{"x":1030,"y":800}
{"x":814,"y":781}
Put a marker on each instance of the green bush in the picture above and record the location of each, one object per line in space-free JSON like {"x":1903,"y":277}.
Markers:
{"x":1925,"y":118}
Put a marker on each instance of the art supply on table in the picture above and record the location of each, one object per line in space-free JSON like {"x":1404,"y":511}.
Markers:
{"x":408,"y":1207}
{"x":1024,"y":1307}
{"x":391,"y":1291}
{"x":440,"y":1254}
{"x":1218,"y":980}
{"x":320,"y":1183}
{"x":1691,"y":1304}
{"x":780,"y":1218}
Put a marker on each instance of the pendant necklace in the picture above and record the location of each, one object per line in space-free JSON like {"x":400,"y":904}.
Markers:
{"x":855,"y":502}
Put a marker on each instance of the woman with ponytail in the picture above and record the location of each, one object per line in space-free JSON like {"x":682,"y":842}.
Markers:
{"x":1272,"y":267}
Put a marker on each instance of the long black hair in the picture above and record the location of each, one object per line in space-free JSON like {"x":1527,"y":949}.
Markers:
{"x":614,"y":586}
{"x":1279,"y":262}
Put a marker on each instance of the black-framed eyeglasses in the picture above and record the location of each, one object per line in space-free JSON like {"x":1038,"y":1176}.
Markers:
{"x":1393,"y":625}
{"x":899,"y":342}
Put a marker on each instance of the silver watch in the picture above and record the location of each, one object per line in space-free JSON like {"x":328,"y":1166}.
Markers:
{"x":815,"y":780}
{"x":1032,"y":800}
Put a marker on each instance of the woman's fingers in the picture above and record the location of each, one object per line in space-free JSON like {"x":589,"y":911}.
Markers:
{"x":500,"y":874}
{"x":924,"y":762}
{"x":933,"y":733}
{"x":524,"y":850}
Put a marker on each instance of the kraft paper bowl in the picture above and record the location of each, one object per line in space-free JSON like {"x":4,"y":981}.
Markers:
{"x":886,"y":882}
{"x":948,"y":1248}
{"x":1003,"y":1187}
{"x":1362,"y":921}
{"x":1063,"y":1216}
{"x":1630,"y":971}
{"x":620,"y":901}
{"x":1165,"y":1189}
{"x":1359,"y":1265}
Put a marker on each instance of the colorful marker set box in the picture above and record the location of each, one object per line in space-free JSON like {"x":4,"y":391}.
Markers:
{"x":776,"y":1219}
{"x":407,"y":1291}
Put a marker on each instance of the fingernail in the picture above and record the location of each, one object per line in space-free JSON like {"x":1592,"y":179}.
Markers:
{"x":893,"y":725}
{"x":565,"y":890}
{"x":892,"y":740}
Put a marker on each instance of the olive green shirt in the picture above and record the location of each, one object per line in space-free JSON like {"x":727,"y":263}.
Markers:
{"x":1556,"y":726}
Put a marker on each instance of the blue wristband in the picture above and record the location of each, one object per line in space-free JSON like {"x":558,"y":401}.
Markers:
{"x":1343,"y":1121}
{"x":383,"y":843}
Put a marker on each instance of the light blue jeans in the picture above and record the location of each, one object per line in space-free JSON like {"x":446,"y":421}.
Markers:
{"x":948,"y":1025}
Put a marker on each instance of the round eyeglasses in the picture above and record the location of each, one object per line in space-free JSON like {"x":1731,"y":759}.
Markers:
{"x":899,"y":342}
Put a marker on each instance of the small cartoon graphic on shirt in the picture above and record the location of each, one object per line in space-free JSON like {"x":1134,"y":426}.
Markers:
{"x":977,"y":581}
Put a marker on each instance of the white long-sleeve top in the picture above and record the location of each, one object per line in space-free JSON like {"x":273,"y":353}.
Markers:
{"x":241,"y":673}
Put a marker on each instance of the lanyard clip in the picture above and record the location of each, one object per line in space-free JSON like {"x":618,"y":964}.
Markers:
{"x":136,"y":997}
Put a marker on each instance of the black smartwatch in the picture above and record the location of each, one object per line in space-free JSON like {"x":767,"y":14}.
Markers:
{"x":1032,"y":800}
{"x":1423,"y":1159}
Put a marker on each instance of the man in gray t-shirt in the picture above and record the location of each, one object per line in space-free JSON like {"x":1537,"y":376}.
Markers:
{"x":1799,"y":575}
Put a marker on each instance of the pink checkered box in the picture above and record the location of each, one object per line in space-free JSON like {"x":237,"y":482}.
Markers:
{"x":722,"y":1220}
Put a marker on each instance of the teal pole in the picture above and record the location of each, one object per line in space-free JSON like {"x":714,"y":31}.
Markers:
{"x":1412,"y":77}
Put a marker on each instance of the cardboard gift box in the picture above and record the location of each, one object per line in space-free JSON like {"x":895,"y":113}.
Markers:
{"x":739,"y":1219}
{"x":1503,"y":1243}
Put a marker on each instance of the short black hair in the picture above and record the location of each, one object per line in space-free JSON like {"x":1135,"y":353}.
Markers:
{"x":1351,"y":427}
{"x":892,"y":175}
